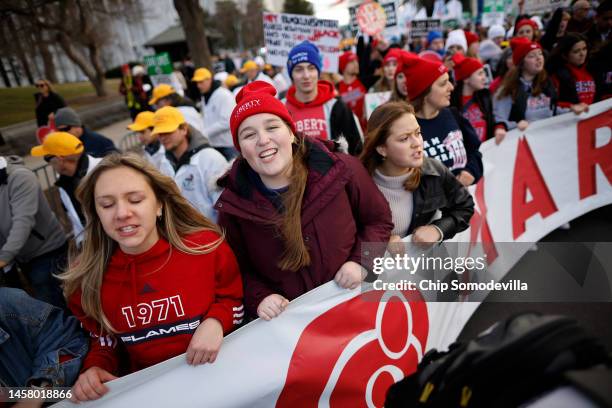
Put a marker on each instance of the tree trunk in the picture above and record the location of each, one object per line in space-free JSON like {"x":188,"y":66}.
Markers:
{"x":92,"y":73}
{"x":43,"y":48}
{"x":192,"y":19}
{"x":12,"y":28}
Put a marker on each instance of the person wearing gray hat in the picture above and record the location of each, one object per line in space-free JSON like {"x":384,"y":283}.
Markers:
{"x":96,"y":145}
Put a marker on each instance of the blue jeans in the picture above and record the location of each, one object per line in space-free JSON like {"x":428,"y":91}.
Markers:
{"x":40,"y":271}
{"x":38,"y":341}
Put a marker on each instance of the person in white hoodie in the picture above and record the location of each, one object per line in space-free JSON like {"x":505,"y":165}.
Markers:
{"x":217,"y":105}
{"x":154,"y":152}
{"x":65,"y":153}
{"x":253,"y":72}
{"x":190,"y":160}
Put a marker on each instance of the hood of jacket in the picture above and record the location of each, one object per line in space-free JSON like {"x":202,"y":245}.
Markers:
{"x":197,"y":142}
{"x":325,"y":92}
{"x":123,"y":270}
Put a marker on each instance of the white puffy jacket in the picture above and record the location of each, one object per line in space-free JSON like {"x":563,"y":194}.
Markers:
{"x":216,"y":114}
{"x":196,"y":179}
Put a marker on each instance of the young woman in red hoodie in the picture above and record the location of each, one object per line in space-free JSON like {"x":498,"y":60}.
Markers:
{"x":154,"y":279}
{"x":295,"y":212}
{"x":567,"y":67}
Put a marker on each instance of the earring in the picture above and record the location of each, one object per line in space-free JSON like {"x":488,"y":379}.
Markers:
{"x":159,"y":214}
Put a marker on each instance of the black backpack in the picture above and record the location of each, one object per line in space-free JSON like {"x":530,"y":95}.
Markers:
{"x":505,"y":366}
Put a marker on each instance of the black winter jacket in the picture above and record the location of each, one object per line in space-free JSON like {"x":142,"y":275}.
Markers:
{"x":439,"y":189}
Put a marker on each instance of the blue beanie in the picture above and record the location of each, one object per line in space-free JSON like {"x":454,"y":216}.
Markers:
{"x":433,"y":35}
{"x":304,"y":52}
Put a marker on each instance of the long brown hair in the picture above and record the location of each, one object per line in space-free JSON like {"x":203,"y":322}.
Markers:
{"x":379,"y":126}
{"x":179,"y":219}
{"x":512,"y":82}
{"x":295,"y":255}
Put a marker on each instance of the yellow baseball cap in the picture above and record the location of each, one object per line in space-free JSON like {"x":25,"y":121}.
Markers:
{"x":167,"y":120}
{"x":161,"y":91}
{"x":201,"y":74}
{"x":142,"y":121}
{"x":58,"y":144}
{"x":231,"y":80}
{"x":249,"y":65}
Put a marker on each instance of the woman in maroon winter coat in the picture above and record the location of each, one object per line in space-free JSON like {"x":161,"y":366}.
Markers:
{"x":295,"y":212}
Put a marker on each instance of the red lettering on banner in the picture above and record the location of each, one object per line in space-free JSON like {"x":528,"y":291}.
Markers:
{"x":270,"y":18}
{"x":351,"y":362}
{"x":527,"y":177}
{"x":480,"y":231}
{"x":590,"y":156}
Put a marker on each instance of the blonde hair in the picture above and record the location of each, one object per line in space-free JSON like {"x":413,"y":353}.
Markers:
{"x":179,"y":219}
{"x":47,"y":83}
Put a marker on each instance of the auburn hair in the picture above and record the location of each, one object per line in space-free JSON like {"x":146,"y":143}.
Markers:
{"x":295,"y":255}
{"x":512,"y":83}
{"x":379,"y":127}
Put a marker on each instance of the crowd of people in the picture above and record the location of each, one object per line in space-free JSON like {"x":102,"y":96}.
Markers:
{"x":262,"y":190}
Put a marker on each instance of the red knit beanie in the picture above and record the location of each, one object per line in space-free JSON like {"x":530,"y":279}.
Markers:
{"x":464,"y":66}
{"x":471,"y":37}
{"x":345,"y":58}
{"x":257,"y":97}
{"x":392,"y":54}
{"x":420,"y":73}
{"x":521,"y":46}
{"x":526,"y":21}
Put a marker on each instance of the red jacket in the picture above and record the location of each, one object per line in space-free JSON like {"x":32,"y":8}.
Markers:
{"x":342,"y":209}
{"x":327,"y":117}
{"x":156,"y":300}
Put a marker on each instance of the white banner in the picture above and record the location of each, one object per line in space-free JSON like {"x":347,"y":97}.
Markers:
{"x":344,"y":348}
{"x":283,"y":31}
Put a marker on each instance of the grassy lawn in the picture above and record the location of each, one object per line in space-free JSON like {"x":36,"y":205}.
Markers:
{"x":17,"y":104}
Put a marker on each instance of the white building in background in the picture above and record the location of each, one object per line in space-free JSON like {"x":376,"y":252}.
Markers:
{"x":126,"y":42}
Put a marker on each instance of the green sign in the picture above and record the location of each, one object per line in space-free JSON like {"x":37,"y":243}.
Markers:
{"x":158,"y":64}
{"x":493,"y":6}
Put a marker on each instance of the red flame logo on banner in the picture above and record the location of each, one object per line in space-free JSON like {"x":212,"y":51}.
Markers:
{"x":350,"y":355}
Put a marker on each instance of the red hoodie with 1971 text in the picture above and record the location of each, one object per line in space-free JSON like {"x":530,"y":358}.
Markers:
{"x":156,"y":300}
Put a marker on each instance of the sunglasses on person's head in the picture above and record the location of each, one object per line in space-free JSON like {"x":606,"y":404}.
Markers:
{"x":64,"y":128}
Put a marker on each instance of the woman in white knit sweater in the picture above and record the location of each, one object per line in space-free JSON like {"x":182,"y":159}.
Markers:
{"x":415,"y":186}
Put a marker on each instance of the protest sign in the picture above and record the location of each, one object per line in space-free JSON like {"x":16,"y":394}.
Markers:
{"x":371,"y":18}
{"x":493,"y":12}
{"x":391,"y":27}
{"x":543,"y":6}
{"x":374,"y":100}
{"x":420,"y":28}
{"x":159,"y":68}
{"x":283,"y":31}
